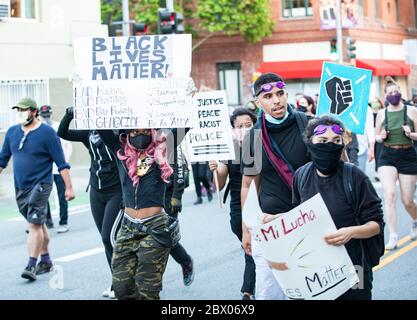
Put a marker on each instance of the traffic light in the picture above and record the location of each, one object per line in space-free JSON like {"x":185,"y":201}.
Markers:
{"x":333,"y":49}
{"x":139,"y":29}
{"x":333,"y":45}
{"x":170,"y":22}
{"x":351,"y":48}
{"x":166,"y":21}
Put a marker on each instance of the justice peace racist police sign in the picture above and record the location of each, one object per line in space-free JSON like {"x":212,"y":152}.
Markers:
{"x":211,"y":136}
{"x":132,"y":82}
{"x":344,"y":93}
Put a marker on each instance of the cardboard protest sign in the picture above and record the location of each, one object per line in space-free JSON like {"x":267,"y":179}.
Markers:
{"x":344,"y":93}
{"x":151,"y":103}
{"x":211,"y":136}
{"x":144,"y":57}
{"x":305,"y":266}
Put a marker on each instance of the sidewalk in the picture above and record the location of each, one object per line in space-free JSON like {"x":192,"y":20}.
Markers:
{"x":8,"y":207}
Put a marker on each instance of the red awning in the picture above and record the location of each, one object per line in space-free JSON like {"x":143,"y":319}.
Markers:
{"x":406,"y":69}
{"x":293,"y":69}
{"x":384,"y":67}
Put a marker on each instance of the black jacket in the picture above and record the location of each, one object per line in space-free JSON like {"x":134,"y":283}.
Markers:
{"x":103,"y":168}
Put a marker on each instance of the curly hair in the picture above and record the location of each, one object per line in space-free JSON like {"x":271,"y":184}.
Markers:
{"x":325,"y":120}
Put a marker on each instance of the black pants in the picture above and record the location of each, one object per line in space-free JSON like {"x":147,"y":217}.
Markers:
{"x":178,"y":251}
{"x":249,"y":274}
{"x":63,"y":204}
{"x":105,"y":207}
{"x":200,"y":177}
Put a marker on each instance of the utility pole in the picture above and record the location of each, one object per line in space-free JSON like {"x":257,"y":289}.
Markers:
{"x":126,"y":18}
{"x":339,"y":34}
{"x":170,"y":5}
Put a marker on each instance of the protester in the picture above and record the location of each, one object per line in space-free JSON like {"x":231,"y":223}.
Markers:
{"x":376,"y":104}
{"x":242,"y":120}
{"x":147,"y":234}
{"x":45,"y":113}
{"x":395,"y":128}
{"x":200,"y":177}
{"x":34,"y":147}
{"x":173,"y":205}
{"x":104,"y":183}
{"x":270,"y":156}
{"x":366,"y":142}
{"x":354,"y":221}
{"x":307,"y":105}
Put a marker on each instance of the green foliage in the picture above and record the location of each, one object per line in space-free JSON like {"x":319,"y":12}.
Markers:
{"x":249,"y":18}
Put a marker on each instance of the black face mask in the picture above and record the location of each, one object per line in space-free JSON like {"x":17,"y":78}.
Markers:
{"x":141,"y":141}
{"x":302,"y":109}
{"x":326,"y":156}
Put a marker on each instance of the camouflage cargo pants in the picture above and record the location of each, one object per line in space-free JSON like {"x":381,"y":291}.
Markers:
{"x":139,"y":261}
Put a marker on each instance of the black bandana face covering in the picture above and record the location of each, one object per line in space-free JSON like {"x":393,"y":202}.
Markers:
{"x":141,"y":141}
{"x":326,"y":156}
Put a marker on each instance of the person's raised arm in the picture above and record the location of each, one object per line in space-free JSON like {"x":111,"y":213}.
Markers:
{"x":71,"y":135}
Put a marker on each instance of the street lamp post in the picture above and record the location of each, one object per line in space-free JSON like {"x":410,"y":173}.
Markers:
{"x":126,"y":18}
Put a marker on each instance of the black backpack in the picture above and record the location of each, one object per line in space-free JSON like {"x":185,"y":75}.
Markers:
{"x":375,"y":246}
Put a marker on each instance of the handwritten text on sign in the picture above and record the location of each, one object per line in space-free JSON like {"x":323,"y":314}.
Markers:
{"x":316,"y":270}
{"x":210,"y":138}
{"x":151,"y":103}
{"x":121,"y":58}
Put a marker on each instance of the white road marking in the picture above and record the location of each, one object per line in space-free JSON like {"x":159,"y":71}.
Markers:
{"x":79,"y":255}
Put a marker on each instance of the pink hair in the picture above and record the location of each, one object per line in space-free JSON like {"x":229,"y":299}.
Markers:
{"x":157,"y":150}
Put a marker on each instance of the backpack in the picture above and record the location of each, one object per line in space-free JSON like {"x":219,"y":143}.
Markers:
{"x":373,"y":247}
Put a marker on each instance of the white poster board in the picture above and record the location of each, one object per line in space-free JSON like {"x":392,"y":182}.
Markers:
{"x":132,"y":82}
{"x":151,"y":103}
{"x":144,"y":57}
{"x":316,"y":270}
{"x":211,"y":136}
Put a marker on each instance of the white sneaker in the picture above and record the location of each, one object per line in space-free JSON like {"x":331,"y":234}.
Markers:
{"x":413,"y":233}
{"x":62,"y":229}
{"x":108,"y":293}
{"x":392,"y":243}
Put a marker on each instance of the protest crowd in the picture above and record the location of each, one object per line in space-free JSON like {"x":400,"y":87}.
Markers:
{"x":272,"y":160}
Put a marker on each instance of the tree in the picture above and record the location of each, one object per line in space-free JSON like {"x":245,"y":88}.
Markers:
{"x":249,"y":18}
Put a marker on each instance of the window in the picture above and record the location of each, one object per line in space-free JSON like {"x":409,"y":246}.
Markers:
{"x":230,"y":79}
{"x":11,"y":91}
{"x":376,"y":9}
{"x":296,"y":8}
{"x":23,"y":9}
{"x":397,"y":11}
{"x":415,"y":11}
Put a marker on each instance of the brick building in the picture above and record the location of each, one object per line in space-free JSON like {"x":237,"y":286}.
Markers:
{"x":301,"y":42}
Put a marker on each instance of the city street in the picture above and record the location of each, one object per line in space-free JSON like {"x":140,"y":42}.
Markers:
{"x":82,"y":272}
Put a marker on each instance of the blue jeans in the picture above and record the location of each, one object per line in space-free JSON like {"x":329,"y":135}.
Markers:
{"x":63,"y":204}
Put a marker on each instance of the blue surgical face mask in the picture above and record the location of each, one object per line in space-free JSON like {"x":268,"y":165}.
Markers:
{"x":273,"y":120}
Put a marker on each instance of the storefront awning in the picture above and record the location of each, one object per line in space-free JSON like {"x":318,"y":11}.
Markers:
{"x":293,"y":69}
{"x":384,"y":67}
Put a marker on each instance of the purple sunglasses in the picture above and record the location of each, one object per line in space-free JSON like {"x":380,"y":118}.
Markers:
{"x":268,"y":87}
{"x":321,"y":128}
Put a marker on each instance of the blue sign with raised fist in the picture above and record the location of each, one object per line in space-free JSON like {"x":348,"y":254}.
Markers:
{"x":344,"y":93}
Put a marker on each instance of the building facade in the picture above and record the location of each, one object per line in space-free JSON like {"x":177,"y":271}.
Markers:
{"x":36,"y":52}
{"x":302,"y":41}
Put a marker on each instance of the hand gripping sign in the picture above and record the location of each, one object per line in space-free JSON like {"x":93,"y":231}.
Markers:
{"x":344,"y":93}
{"x":305,"y":266}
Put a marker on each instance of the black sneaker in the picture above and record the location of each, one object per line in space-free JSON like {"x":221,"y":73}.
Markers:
{"x":199,"y":201}
{"x":29,"y":273}
{"x":44,"y":267}
{"x":246,"y":296}
{"x":188,"y":273}
{"x":209,"y":196}
{"x":49,"y":223}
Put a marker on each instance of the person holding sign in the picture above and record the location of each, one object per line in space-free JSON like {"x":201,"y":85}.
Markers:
{"x":356,"y":212}
{"x":270,"y":155}
{"x":242,"y":121}
{"x":396,"y":129}
{"x":147,"y":233}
